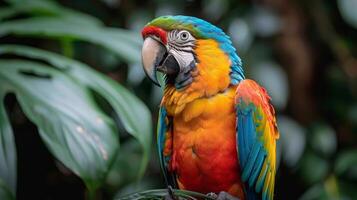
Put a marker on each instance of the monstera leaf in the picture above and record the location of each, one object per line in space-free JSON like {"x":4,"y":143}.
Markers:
{"x":46,"y":8}
{"x":130,"y":109}
{"x":122,"y":42}
{"x":59,"y":95}
{"x":69,"y":121}
{"x":50,"y":20}
{"x":7,"y":156}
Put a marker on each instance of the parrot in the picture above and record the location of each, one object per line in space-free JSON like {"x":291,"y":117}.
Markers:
{"x":217,"y":130}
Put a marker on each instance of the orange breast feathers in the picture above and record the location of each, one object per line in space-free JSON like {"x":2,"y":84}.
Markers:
{"x":210,"y":77}
{"x":203,"y":143}
{"x":204,"y":155}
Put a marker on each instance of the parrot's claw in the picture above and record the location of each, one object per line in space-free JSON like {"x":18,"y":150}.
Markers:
{"x":170,"y":194}
{"x":222,"y":196}
{"x":212,"y":195}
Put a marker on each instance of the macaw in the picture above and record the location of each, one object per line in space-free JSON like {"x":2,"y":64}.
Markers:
{"x":217,"y":131}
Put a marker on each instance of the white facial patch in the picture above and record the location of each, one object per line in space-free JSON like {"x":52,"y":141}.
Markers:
{"x":180,"y":45}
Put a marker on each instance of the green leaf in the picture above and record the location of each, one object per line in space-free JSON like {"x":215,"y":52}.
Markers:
{"x":328,"y":189}
{"x":323,"y":139}
{"x":124,"y":43}
{"x":313,"y":168}
{"x":41,"y":3}
{"x":134,"y":115}
{"x":7,"y":156}
{"x":38,"y":7}
{"x":127,"y":164}
{"x":316,"y":192}
{"x":146,"y":183}
{"x":7,"y":12}
{"x":348,"y":190}
{"x":5,"y":193}
{"x":51,"y":8}
{"x":47,"y":8}
{"x":71,"y":125}
{"x":346,"y":163}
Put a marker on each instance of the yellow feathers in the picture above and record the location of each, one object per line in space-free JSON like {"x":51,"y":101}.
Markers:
{"x":210,"y":77}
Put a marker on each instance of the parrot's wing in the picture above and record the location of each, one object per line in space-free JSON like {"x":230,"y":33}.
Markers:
{"x":164,"y":145}
{"x":256,"y":139}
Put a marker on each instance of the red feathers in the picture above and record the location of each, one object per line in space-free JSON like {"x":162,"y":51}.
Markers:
{"x":153,"y":30}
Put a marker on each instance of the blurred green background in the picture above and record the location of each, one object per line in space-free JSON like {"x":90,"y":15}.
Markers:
{"x":73,"y":121}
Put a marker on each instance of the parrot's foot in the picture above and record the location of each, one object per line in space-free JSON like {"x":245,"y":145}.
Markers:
{"x":222,"y":196}
{"x":170,"y":194}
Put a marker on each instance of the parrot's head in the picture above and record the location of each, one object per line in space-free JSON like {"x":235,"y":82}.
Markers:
{"x":189,"y":50}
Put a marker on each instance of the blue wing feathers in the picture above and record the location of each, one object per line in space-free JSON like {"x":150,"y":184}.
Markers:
{"x":161,"y":132}
{"x":257,"y":167}
{"x":254,"y":142}
{"x":243,"y":152}
{"x":260,"y":182}
{"x":246,"y":125}
{"x":162,"y":129}
{"x":250,"y":127}
{"x":247,"y":170}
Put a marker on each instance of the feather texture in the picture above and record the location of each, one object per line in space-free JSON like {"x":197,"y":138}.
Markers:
{"x":220,"y":130}
{"x":256,"y":134}
{"x":204,"y":30}
{"x":164,"y":146}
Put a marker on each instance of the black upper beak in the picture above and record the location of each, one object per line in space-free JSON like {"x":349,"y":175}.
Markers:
{"x":156,"y":58}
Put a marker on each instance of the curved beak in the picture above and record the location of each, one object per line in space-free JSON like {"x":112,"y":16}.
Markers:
{"x":152,"y":54}
{"x":155,"y":58}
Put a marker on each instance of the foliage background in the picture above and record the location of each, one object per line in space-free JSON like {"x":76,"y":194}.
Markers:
{"x":303,"y":52}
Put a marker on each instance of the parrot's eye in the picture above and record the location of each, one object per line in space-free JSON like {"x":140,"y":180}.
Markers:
{"x":184,"y":35}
